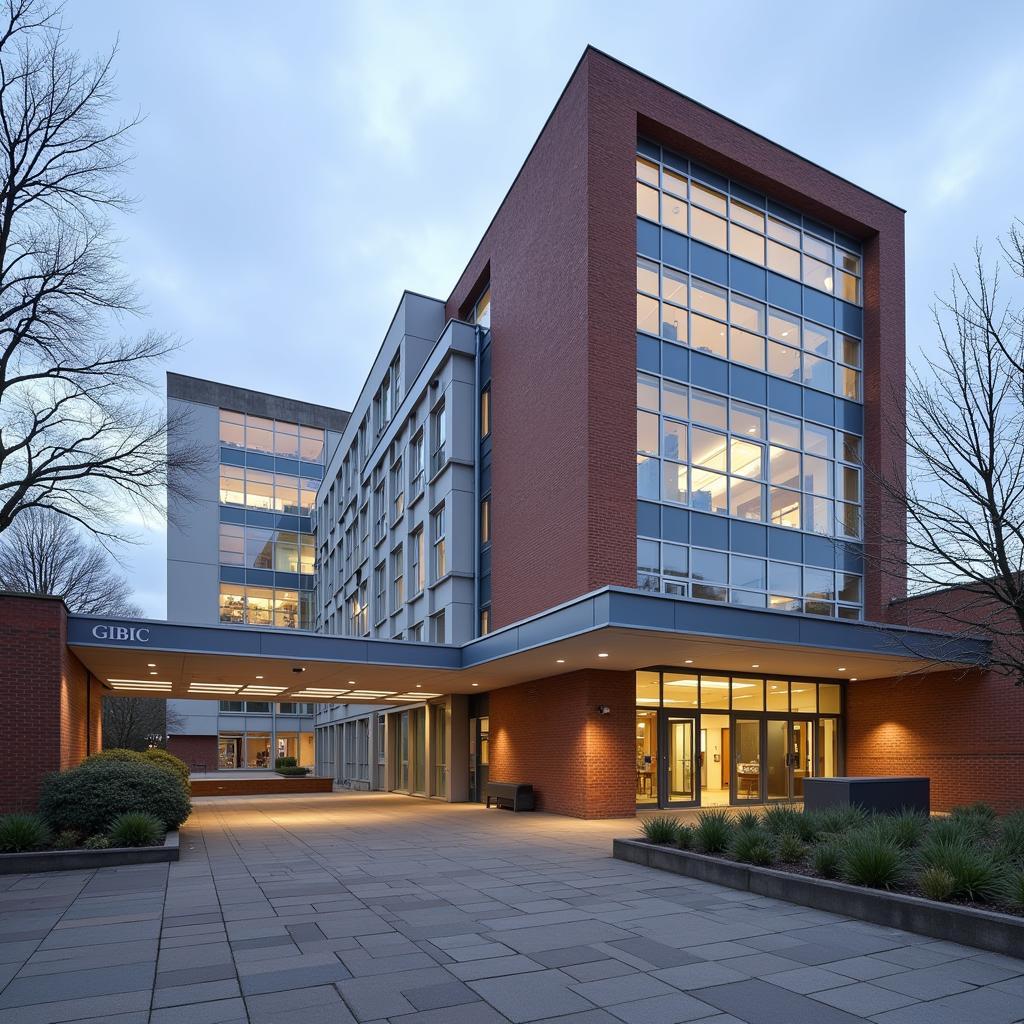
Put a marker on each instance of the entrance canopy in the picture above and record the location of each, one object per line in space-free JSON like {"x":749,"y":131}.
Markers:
{"x":611,"y":629}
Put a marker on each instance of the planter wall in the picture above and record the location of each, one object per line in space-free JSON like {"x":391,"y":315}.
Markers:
{"x":986,"y":929}
{"x":81,"y":860}
{"x":271,"y":784}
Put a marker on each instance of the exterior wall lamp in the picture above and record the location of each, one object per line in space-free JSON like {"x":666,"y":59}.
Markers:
{"x":603,"y":709}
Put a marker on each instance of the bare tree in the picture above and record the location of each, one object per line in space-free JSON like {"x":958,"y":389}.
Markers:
{"x":137,"y":723}
{"x":80,"y":432}
{"x":45,"y":553}
{"x":964,"y":498}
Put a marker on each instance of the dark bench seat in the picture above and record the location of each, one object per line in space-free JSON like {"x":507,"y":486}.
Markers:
{"x":515,"y":796}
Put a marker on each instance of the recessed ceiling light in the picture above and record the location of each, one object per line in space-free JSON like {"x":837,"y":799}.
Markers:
{"x":154,"y":673}
{"x":299,"y":668}
{"x":476,"y":684}
{"x":689,"y":661}
{"x":603,"y":654}
{"x":151,"y":664}
{"x":559,"y":661}
{"x":755,"y":666}
{"x":853,"y":679}
{"x":841,"y":668}
{"x":259,"y":677}
{"x":419,"y":686}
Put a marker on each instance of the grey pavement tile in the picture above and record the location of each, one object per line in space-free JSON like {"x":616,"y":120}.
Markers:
{"x":577,"y":933}
{"x":297,"y":977}
{"x":566,"y":955}
{"x":809,"y":979}
{"x":932,"y":982}
{"x":368,"y":998}
{"x":206,"y":991}
{"x":282,"y":1004}
{"x":674,"y":1008}
{"x":982,"y":1006}
{"x":657,"y":954}
{"x":360,"y":964}
{"x":702,"y":974}
{"x":76,"y":1009}
{"x":864,"y":998}
{"x":99,"y":981}
{"x":865,"y":968}
{"x":596,"y":970}
{"x":595,"y":1016}
{"x":195,"y":975}
{"x":434,"y":997}
{"x":220,"y":1011}
{"x":530,"y":997}
{"x":915,"y":956}
{"x":759,"y":965}
{"x":609,"y":991}
{"x":758,"y":1002}
{"x":468,"y":1013}
{"x":494,"y":967}
{"x":720,"y":950}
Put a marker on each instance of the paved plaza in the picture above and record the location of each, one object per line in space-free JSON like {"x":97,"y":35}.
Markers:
{"x":370,"y":907}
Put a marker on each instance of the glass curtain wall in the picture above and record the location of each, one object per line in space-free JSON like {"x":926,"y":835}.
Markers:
{"x":715,"y":739}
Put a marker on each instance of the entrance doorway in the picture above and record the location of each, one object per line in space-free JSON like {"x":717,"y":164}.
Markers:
{"x":479,"y":757}
{"x":716,"y":757}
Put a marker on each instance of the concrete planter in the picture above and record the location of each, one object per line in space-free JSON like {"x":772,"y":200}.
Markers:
{"x":985,"y":929}
{"x":81,"y":860}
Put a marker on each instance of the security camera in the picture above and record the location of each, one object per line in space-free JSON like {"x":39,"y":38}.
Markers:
{"x":603,"y":709}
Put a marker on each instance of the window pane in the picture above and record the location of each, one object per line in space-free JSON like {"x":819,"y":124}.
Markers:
{"x":848,"y":481}
{"x":673,"y":213}
{"x":646,"y":170}
{"x":672,"y":182}
{"x":848,"y":587}
{"x":817,"y":372}
{"x":804,"y":697}
{"x":784,"y":326}
{"x":674,"y":286}
{"x":777,"y":695}
{"x":311,"y":444}
{"x":783,"y":232}
{"x":783,"y":361}
{"x":680,"y":690}
{"x":675,"y":560}
{"x":708,"y":335}
{"x":819,"y":583}
{"x":708,"y":408}
{"x":646,"y":391}
{"x":817,"y":475}
{"x":747,"y":693}
{"x":714,"y":693}
{"x":746,"y":348}
{"x":783,"y":430}
{"x":708,"y":449}
{"x":286,"y":494}
{"x":709,"y":566}
{"x":784,"y":578}
{"x":848,"y":261}
{"x":710,"y":491}
{"x":746,"y":499}
{"x":708,"y":298}
{"x":286,"y":440}
{"x":784,"y":260}
{"x":746,"y":244}
{"x":259,"y":489}
{"x":647,"y":484}
{"x":849,"y":349}
{"x":646,"y":276}
{"x":747,"y":215}
{"x":706,"y":227}
{"x":785,"y":508}
{"x":648,"y":556}
{"x":848,"y":382}
{"x":674,"y":483}
{"x":707,"y":197}
{"x":849,"y":520}
{"x":232,"y":539}
{"x":647,"y":318}
{"x":748,"y":598}
{"x":673,"y":322}
{"x":232,"y":485}
{"x":850,"y":447}
{"x":818,"y":274}
{"x":232,"y":428}
{"x":673,"y":439}
{"x":848,"y":287}
{"x":647,"y":433}
{"x":818,"y":440}
{"x":818,"y":516}
{"x":818,"y":248}
{"x":748,"y":313}
{"x":259,"y":605}
{"x":675,"y":399}
{"x":746,"y":459}
{"x":828,"y":698}
{"x":747,"y":419}
{"x":646,"y":202}
{"x":817,"y":339}
{"x":259,"y":548}
{"x":259,"y":434}
{"x":232,"y":603}
{"x":749,"y":573}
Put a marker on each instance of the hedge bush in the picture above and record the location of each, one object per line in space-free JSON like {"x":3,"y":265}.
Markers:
{"x":88,"y":798}
{"x":164,"y":760}
{"x":285,"y":762}
{"x":20,"y":833}
{"x":135,"y":828}
{"x":294,"y":770}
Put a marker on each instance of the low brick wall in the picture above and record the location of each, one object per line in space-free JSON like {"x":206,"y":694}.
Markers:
{"x":271,"y":785}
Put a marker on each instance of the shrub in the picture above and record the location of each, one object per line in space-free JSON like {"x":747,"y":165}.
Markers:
{"x":872,"y":860}
{"x":778,"y":820}
{"x":1015,"y":889}
{"x":164,"y":760}
{"x":661,"y":829}
{"x":789,"y":849}
{"x":808,"y":826}
{"x":825,"y":858}
{"x":714,"y":831}
{"x":753,"y":846}
{"x":294,"y":770}
{"x":953,"y":830}
{"x":1010,"y":844}
{"x":748,"y":820}
{"x":840,"y":820}
{"x":906,"y":829}
{"x":135,"y":828}
{"x":975,"y":872}
{"x":285,"y":762}
{"x":68,"y":839}
{"x":97,"y":842}
{"x":684,"y":837}
{"x":88,"y":798}
{"x":936,"y":883}
{"x":20,"y":833}
{"x":979,"y":818}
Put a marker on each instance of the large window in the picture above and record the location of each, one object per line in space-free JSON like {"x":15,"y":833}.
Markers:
{"x":397,"y":579}
{"x":272,"y":492}
{"x":416,"y":555}
{"x":265,"y":606}
{"x":255,"y":548}
{"x":437,"y":538}
{"x":271,"y":437}
{"x":438,"y":439}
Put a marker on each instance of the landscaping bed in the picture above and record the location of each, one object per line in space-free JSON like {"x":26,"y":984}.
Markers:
{"x":117,"y":807}
{"x":959,"y":877}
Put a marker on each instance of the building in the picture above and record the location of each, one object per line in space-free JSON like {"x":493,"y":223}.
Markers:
{"x":240,"y":550}
{"x":606,"y":519}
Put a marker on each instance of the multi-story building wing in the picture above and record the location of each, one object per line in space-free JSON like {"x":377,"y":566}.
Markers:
{"x":241,"y":550}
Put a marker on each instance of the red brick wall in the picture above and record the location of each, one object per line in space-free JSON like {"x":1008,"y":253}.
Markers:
{"x":549,"y":733}
{"x":194,"y":750}
{"x":44,"y":700}
{"x":963,"y":729}
{"x":561,"y":256}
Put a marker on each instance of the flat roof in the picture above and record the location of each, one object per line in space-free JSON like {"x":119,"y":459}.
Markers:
{"x":609,"y":629}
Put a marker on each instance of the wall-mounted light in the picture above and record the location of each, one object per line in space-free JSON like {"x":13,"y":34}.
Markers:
{"x":603,"y":709}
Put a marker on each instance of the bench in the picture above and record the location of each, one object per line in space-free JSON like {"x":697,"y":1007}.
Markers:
{"x":514,"y":796}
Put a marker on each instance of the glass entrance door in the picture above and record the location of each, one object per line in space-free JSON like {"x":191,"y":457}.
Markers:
{"x":681,"y":786}
{"x":748,"y":761}
{"x":801,"y":766}
{"x":789,"y":757}
{"x":647,"y":757}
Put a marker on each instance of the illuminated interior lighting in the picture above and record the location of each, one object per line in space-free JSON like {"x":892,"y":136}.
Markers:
{"x":755,"y":666}
{"x":689,"y":661}
{"x":841,"y":668}
{"x":146,"y":681}
{"x":259,"y":677}
{"x":151,"y":664}
{"x":476,"y":684}
{"x":603,"y":654}
{"x":318,"y":689}
{"x":154,"y":687}
{"x":268,"y":691}
{"x":559,"y":661}
{"x":853,"y":679}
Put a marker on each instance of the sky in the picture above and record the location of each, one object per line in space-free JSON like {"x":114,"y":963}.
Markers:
{"x":298,"y":167}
